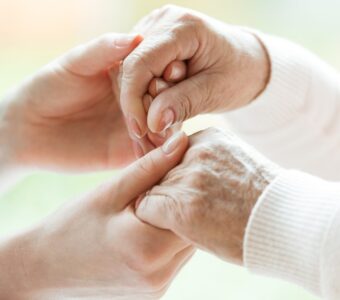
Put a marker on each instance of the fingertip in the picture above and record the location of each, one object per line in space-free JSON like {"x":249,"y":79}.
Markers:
{"x":177,"y":143}
{"x":154,"y":117}
{"x":137,"y":129}
{"x":152,"y":87}
{"x":158,"y":85}
{"x":176,"y":71}
{"x":147,"y":100}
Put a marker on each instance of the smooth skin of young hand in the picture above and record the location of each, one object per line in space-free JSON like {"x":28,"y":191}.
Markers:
{"x":227,"y":67}
{"x":95,"y":247}
{"x":67,"y":116}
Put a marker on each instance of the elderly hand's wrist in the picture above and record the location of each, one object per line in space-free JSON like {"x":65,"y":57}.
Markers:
{"x":251,"y":67}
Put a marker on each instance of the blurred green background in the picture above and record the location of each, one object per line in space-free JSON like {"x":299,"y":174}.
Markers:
{"x":35,"y":31}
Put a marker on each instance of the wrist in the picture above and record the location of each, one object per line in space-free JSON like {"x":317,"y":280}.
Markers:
{"x":251,"y":67}
{"x":16,"y":266}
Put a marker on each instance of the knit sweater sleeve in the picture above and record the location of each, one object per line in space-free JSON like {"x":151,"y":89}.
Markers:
{"x":294,"y":230}
{"x":296,"y":120}
{"x":294,"y":233}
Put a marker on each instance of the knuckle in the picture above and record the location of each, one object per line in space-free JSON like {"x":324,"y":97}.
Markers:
{"x":191,"y":20}
{"x":148,"y":164}
{"x":106,"y":40}
{"x":134,"y":61}
{"x":185,"y":108}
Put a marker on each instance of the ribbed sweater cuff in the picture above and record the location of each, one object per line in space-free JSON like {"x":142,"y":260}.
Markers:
{"x":288,"y":227}
{"x":283,"y":98}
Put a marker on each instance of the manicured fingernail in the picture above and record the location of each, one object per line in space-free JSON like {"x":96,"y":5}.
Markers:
{"x":135,"y":129}
{"x":172,"y":143}
{"x":160,"y":86}
{"x":176,"y":73}
{"x":168,"y":119}
{"x":125,"y":40}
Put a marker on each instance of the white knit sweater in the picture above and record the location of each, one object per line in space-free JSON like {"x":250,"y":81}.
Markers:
{"x":294,"y":230}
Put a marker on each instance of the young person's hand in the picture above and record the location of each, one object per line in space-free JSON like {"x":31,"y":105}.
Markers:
{"x":67,"y":116}
{"x":95,"y":247}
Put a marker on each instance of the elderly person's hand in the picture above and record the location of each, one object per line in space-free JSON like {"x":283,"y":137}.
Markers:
{"x":227,"y":67}
{"x":208,"y":198}
{"x":96,"y":247}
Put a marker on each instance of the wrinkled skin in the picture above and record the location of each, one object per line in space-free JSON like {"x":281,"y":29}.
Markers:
{"x":227,"y":67}
{"x":208,"y":198}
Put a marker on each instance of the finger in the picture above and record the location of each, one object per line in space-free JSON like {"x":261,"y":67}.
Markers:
{"x":155,"y":210}
{"x":147,"y":61}
{"x":146,"y":145}
{"x":151,"y":168}
{"x":147,"y":100}
{"x":179,"y":103}
{"x":158,"y":139}
{"x":137,"y":149}
{"x":158,"y":85}
{"x":100,"y":54}
{"x":176,"y":71}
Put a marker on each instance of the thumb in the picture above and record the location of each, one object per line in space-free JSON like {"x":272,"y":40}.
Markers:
{"x":144,"y":173}
{"x":99,"y":54}
{"x":178,"y":103}
{"x":154,"y":210}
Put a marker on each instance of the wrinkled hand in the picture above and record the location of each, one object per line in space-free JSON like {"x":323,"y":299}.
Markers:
{"x":96,"y":247}
{"x":208,"y":198}
{"x":67,"y":116}
{"x":227,"y":67}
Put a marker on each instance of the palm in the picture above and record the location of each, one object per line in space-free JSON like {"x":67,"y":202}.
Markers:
{"x":74,"y":122}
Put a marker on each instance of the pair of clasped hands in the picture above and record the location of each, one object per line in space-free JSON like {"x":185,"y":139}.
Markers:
{"x":98,"y":107}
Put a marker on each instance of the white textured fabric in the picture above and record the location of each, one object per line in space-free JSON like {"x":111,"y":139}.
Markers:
{"x":294,"y":229}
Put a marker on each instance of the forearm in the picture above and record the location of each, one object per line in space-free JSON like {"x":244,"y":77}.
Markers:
{"x":295,"y":120}
{"x":10,"y":169}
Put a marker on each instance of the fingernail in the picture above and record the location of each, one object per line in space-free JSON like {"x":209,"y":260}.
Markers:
{"x":134,"y":127}
{"x":139,"y":200}
{"x":176,"y":73}
{"x":172,"y":143}
{"x":161,"y":86}
{"x":167,"y":119}
{"x":162,"y":134}
{"x":125,"y":40}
